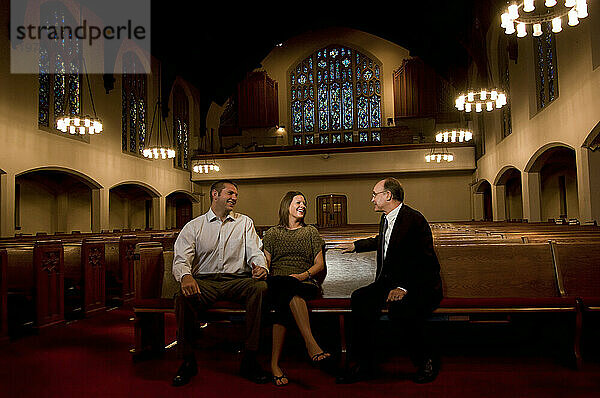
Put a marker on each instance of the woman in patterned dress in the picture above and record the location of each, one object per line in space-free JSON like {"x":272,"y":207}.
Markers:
{"x":294,"y":253}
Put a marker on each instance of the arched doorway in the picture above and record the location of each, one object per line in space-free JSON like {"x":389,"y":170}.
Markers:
{"x":485,"y":189}
{"x":332,"y":210}
{"x":510,"y":178}
{"x":179,"y":209}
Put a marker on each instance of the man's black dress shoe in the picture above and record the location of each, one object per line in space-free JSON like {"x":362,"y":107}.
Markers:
{"x":187,"y":370}
{"x":252,"y":371}
{"x":427,"y":371}
{"x":355,"y":374}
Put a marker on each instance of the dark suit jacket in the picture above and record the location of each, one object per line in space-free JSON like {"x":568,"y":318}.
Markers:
{"x":411,"y":262}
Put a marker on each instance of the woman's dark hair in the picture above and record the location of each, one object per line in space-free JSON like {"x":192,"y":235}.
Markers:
{"x":284,"y":208}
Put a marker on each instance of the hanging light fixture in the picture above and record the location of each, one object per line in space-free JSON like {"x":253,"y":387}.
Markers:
{"x":454,"y":136}
{"x":79,"y":123}
{"x":206,"y":167}
{"x":479,"y":100}
{"x":158,"y":149}
{"x":437,"y":155}
{"x":552,"y":12}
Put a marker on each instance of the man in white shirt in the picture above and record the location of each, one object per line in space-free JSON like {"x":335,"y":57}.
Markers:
{"x":218,"y":257}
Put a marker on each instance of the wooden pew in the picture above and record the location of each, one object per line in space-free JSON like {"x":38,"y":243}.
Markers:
{"x":85,"y":290}
{"x":150,"y":303}
{"x":94,"y":274}
{"x":36,"y":283}
{"x":3,"y":296}
{"x":491,"y":279}
{"x":504,"y":279}
{"x":578,"y":265}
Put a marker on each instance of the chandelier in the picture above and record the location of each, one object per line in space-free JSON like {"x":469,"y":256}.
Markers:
{"x":206,"y":167}
{"x":454,"y":136}
{"x":553,"y":13}
{"x":439,"y":154}
{"x":158,"y":149}
{"x":479,"y":100}
{"x":81,"y":124}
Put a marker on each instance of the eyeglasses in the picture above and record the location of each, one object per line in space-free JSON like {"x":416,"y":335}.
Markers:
{"x":377,"y":193}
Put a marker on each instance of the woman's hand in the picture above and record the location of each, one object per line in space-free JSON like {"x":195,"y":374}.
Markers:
{"x":300,"y":277}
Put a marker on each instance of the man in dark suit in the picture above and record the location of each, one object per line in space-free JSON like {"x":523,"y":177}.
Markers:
{"x":407,"y":282}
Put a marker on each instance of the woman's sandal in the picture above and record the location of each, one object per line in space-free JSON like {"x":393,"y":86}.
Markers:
{"x":322,"y":356}
{"x":323,"y":360}
{"x":278,"y":379}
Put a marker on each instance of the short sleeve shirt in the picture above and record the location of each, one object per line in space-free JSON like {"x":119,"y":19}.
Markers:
{"x":292,"y":251}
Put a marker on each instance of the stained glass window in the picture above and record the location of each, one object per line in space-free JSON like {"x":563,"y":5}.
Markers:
{"x":181,"y":127}
{"x":335,"y":91}
{"x":504,"y":85}
{"x":59,"y":80}
{"x":545,"y":66}
{"x":133,"y":105}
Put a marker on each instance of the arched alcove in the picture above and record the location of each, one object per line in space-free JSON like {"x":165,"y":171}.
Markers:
{"x":556,"y":165}
{"x":510,"y":178}
{"x":53,"y":199}
{"x":131,"y":206}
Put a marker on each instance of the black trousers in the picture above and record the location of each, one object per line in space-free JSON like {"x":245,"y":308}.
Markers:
{"x":408,"y":317}
{"x":281,"y":291}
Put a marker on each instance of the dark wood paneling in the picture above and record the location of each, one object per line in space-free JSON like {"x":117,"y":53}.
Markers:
{"x":93,"y":262}
{"x":49,"y":282}
{"x":257,"y":101}
{"x":126,"y":257}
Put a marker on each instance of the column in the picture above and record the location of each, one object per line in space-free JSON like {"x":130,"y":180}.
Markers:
{"x":7,"y":205}
{"x":158,"y":212}
{"x":532,"y":203}
{"x":100,"y":210}
{"x":477,"y":212}
{"x":588,"y":178}
{"x":499,"y":202}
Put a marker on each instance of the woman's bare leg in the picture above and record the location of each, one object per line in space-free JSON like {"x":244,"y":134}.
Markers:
{"x":278,"y":339}
{"x":300,"y":313}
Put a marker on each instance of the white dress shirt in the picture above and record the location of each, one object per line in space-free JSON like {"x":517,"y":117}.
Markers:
{"x":207,"y":245}
{"x":391,"y":220}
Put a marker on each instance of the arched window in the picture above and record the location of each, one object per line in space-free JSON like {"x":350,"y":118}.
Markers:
{"x":133,"y":105}
{"x":181,"y":123}
{"x":545,"y":67}
{"x":503,"y":71}
{"x":336,"y":97}
{"x":59,"y":65}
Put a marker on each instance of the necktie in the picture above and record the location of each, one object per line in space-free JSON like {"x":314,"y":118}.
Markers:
{"x":383,"y":232}
{"x":382,"y":243}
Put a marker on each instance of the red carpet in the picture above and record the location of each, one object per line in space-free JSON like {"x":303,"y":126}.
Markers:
{"x":90,"y":358}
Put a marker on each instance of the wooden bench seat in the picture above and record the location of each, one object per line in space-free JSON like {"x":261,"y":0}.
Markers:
{"x":578,"y":265}
{"x":478,"y":279}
